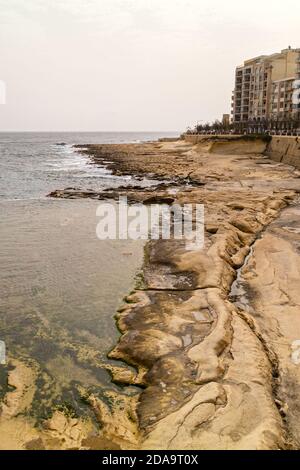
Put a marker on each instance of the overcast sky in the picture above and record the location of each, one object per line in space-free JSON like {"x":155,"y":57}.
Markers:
{"x":131,"y":65}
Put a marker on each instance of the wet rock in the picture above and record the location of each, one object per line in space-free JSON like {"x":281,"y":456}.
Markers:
{"x":159,"y":200}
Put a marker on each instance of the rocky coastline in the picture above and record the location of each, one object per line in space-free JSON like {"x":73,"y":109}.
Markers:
{"x":209,"y":377}
{"x":202,"y":331}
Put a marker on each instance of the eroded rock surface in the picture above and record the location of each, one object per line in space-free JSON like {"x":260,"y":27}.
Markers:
{"x":210,"y":380}
{"x":209,"y":377}
{"x":268,"y":294}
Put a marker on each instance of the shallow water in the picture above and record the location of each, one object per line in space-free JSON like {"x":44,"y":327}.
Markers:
{"x":59,"y":289}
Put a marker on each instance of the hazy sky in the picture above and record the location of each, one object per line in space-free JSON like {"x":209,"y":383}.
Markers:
{"x":131,"y":64}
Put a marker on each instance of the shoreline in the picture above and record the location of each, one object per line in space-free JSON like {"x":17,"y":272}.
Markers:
{"x":180,"y":331}
{"x":208,"y":374}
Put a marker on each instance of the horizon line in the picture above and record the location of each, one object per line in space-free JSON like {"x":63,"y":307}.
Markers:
{"x":108,"y":132}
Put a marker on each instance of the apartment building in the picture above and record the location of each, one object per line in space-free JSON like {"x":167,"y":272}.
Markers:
{"x":282,"y":99}
{"x":266,"y":90}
